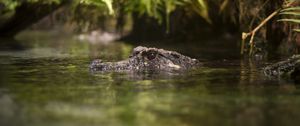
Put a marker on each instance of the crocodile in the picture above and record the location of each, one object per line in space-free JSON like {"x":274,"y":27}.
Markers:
{"x":288,"y":68}
{"x":148,"y":59}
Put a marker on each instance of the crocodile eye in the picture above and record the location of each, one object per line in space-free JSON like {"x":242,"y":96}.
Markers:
{"x":150,"y":54}
{"x":175,"y":55}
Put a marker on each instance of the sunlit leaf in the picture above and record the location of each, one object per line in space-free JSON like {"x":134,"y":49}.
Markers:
{"x":202,"y":10}
{"x":290,"y":13}
{"x":290,"y":20}
{"x":296,"y":30}
{"x":109,"y":6}
{"x":148,"y":5}
{"x":169,"y":7}
{"x":45,"y":1}
{"x":9,"y":5}
{"x":107,"y":3}
{"x":291,"y":9}
{"x":223,"y":5}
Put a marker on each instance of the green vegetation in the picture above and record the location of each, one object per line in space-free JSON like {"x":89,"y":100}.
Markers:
{"x":292,"y":15}
{"x":289,"y":7}
{"x":45,"y":76}
{"x":178,"y":17}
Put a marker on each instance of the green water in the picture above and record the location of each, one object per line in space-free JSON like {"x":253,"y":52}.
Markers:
{"x":45,"y":81}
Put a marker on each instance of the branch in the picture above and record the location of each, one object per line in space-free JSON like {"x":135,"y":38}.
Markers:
{"x":253,"y":32}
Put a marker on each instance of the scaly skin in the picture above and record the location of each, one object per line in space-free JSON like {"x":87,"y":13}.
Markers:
{"x":143,"y":58}
{"x":289,"y":67}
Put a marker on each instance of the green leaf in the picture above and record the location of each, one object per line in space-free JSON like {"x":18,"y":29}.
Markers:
{"x":290,"y":13}
{"x":296,"y":30}
{"x":224,"y":5}
{"x":9,"y":5}
{"x":109,"y":6}
{"x":290,"y":20}
{"x":100,"y":3}
{"x":170,"y":6}
{"x":201,"y":7}
{"x":291,"y":9}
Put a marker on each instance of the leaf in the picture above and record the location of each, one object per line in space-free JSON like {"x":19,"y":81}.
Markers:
{"x":200,"y":6}
{"x":290,"y":20}
{"x":148,"y":5}
{"x":44,"y":1}
{"x":296,"y":30}
{"x":109,"y":6}
{"x":290,"y":13}
{"x":223,"y":5}
{"x":291,"y":9}
{"x":170,"y":6}
{"x":99,"y":3}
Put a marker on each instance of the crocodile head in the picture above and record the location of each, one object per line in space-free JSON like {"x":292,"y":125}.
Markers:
{"x":159,"y":59}
{"x":143,"y":58}
{"x":283,"y":68}
{"x":288,"y":69}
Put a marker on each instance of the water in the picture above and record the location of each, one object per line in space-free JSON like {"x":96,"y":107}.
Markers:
{"x":45,"y":80}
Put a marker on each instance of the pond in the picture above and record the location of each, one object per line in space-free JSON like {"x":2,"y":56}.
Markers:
{"x":45,"y":80}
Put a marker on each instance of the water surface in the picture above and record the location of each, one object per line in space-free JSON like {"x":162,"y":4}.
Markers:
{"x":45,"y":80}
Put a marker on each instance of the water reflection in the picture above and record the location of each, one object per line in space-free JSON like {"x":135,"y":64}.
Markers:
{"x":55,"y":87}
{"x":8,"y":110}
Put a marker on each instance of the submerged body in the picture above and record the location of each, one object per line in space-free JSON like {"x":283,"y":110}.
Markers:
{"x":288,"y":68}
{"x":143,"y":58}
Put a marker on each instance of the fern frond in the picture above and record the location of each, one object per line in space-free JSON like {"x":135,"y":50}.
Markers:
{"x":297,"y":8}
{"x":290,"y":20}
{"x":296,"y":30}
{"x":290,"y":13}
